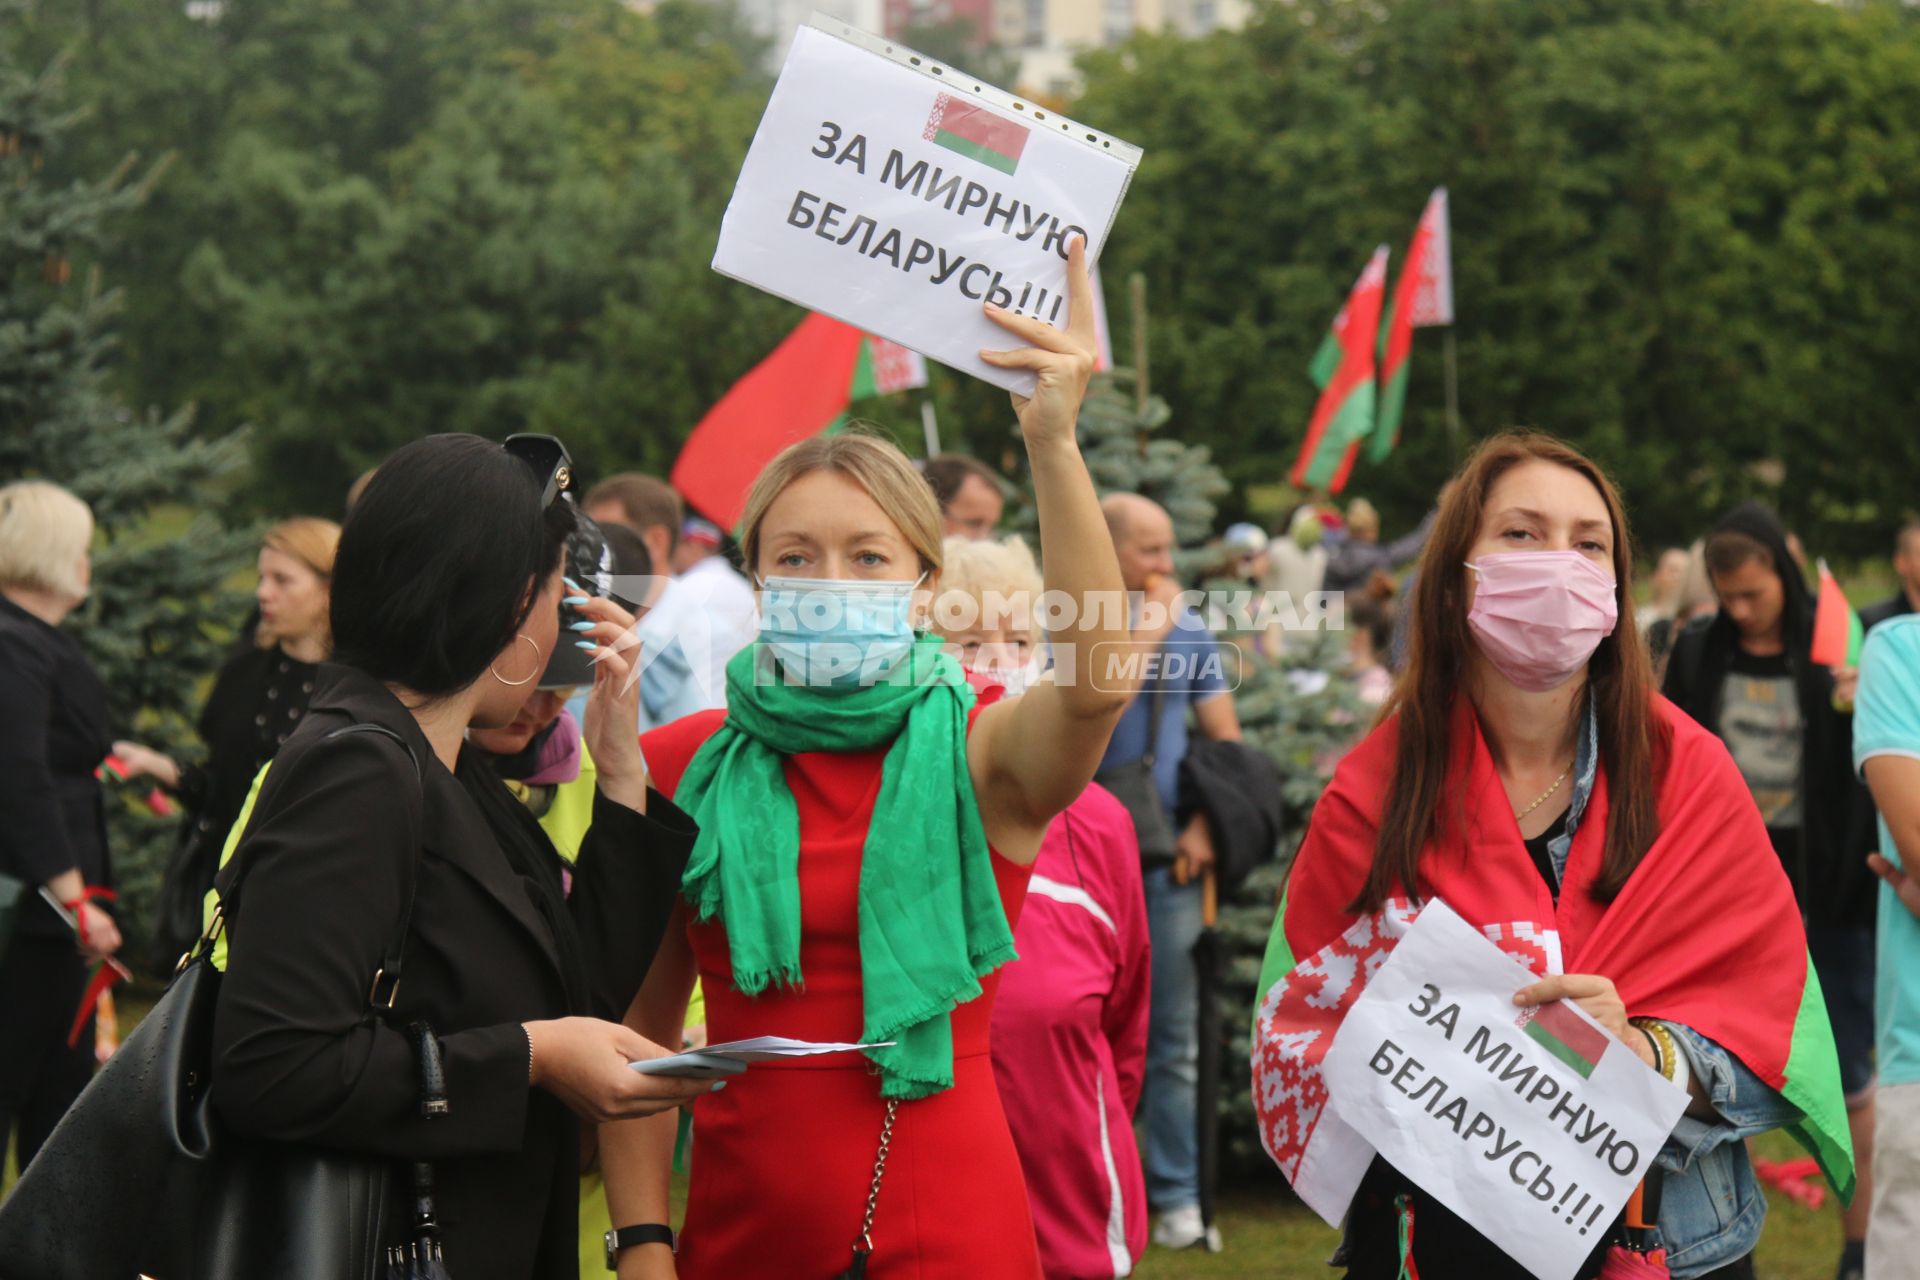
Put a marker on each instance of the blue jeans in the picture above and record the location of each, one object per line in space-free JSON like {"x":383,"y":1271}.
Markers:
{"x":1167,"y":1101}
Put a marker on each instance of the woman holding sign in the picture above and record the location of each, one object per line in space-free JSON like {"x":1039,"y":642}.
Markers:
{"x":1525,"y":772}
{"x":866,"y":836}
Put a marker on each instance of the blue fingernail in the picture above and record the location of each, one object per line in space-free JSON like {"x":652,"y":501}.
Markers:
{"x":574,"y":600}
{"x":570,"y":582}
{"x":588,"y":645}
{"x":581,"y":626}
{"x":719,"y":1086}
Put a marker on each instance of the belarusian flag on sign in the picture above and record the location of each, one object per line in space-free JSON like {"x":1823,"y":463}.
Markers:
{"x":801,"y":389}
{"x":1837,"y":634}
{"x":1343,"y":369}
{"x":1423,"y":296}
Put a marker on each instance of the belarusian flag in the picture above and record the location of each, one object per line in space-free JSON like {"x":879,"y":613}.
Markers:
{"x":1422,"y":296}
{"x":802,"y":388}
{"x":1836,"y":627}
{"x":1343,"y":369}
{"x":1737,"y":973}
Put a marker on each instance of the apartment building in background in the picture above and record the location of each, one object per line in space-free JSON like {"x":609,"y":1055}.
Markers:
{"x":1047,"y":34}
{"x":1044,"y":34}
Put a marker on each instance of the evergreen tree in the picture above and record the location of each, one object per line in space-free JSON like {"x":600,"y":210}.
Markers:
{"x":153,"y":622}
{"x":1295,"y":708}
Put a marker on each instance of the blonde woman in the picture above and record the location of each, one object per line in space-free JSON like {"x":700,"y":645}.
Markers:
{"x":259,"y":696}
{"x":53,"y":735}
{"x":866,"y":836}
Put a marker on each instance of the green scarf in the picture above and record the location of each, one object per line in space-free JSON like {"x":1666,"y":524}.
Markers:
{"x":931,"y":921}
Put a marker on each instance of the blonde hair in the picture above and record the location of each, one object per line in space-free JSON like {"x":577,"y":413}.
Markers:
{"x":1362,"y":515}
{"x":873,"y":463}
{"x":976,"y":571}
{"x":313,"y":542}
{"x":44,"y":535}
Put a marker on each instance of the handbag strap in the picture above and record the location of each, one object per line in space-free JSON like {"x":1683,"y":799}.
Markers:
{"x":386,"y":979}
{"x":1156,"y":703}
{"x":863,"y":1243}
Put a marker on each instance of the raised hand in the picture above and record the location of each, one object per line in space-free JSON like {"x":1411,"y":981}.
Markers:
{"x":1062,"y":359}
{"x":611,"y":730}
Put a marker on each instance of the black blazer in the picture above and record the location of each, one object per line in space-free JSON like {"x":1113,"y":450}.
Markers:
{"x":54,"y":732}
{"x":256,"y":703}
{"x":298,"y":1056}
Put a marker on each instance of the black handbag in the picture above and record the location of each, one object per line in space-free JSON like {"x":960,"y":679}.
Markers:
{"x":11,"y":891}
{"x":139,"y":1179}
{"x":1133,"y":786}
{"x":178,"y":908}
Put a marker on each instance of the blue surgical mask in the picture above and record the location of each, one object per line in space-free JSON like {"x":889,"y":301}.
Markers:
{"x":833,"y":631}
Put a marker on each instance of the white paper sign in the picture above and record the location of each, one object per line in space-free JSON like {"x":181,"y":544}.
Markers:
{"x":898,"y":196}
{"x":1533,"y":1128}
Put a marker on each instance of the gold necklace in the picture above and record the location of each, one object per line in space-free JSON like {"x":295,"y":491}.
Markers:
{"x":1544,"y":794}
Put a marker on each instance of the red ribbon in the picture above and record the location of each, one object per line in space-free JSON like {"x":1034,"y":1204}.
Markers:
{"x":103,"y":977}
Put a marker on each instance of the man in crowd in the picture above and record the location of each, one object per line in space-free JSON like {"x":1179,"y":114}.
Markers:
{"x":1886,"y":748}
{"x":683,"y":668}
{"x":701,"y":566}
{"x":971,"y":495}
{"x":1745,"y":674}
{"x":1142,"y":768}
{"x":1906,"y":567}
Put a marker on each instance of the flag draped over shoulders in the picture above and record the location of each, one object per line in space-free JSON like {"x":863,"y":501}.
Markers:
{"x":1705,"y":933}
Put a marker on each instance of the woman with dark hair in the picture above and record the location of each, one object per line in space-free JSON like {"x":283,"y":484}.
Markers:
{"x":446,"y":606}
{"x":1525,"y":772}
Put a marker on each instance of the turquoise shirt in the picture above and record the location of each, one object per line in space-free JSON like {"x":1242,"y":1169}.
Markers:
{"x":1886,"y":722}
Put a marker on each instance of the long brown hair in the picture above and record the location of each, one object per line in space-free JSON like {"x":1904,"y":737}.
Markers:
{"x":1619,"y":682}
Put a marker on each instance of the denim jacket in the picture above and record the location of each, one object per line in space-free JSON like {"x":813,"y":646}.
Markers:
{"x":1711,"y":1210}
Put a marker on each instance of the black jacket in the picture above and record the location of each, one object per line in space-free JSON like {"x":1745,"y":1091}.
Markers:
{"x":1830,"y":877}
{"x":299,"y":1057}
{"x":1239,"y":789}
{"x":256,"y":703}
{"x":54,"y":732}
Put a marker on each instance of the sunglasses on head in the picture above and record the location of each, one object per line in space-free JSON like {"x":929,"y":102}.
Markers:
{"x":552,"y":465}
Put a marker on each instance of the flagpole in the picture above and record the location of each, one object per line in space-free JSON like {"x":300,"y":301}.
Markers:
{"x":1137,"y":298}
{"x":931,"y":427}
{"x":1452,"y":359}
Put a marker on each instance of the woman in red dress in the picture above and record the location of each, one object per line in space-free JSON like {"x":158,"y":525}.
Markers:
{"x":866,"y":835}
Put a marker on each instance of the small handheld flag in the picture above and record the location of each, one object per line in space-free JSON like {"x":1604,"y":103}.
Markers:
{"x":1836,"y":627}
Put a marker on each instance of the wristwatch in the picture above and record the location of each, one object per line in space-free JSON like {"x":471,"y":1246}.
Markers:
{"x":627,"y":1237}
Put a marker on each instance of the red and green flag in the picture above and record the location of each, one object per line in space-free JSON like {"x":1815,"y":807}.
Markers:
{"x":1343,"y":369}
{"x":975,"y":132}
{"x":1837,"y":634}
{"x":1422,"y":297}
{"x":1738,"y":973}
{"x":802,"y":388}
{"x":1565,"y":1035}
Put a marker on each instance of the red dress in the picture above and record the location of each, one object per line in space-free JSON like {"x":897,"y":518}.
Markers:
{"x":783,"y":1156}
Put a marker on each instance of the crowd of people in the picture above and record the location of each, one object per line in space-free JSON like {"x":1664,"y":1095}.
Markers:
{"x":635,"y":784}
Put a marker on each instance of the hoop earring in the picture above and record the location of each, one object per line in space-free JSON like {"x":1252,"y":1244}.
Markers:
{"x":538,"y":659}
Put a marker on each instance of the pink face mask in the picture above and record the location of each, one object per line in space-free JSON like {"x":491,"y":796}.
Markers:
{"x":1539,"y":615}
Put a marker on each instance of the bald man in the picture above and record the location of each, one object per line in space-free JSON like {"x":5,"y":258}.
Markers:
{"x":1188,"y":678}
